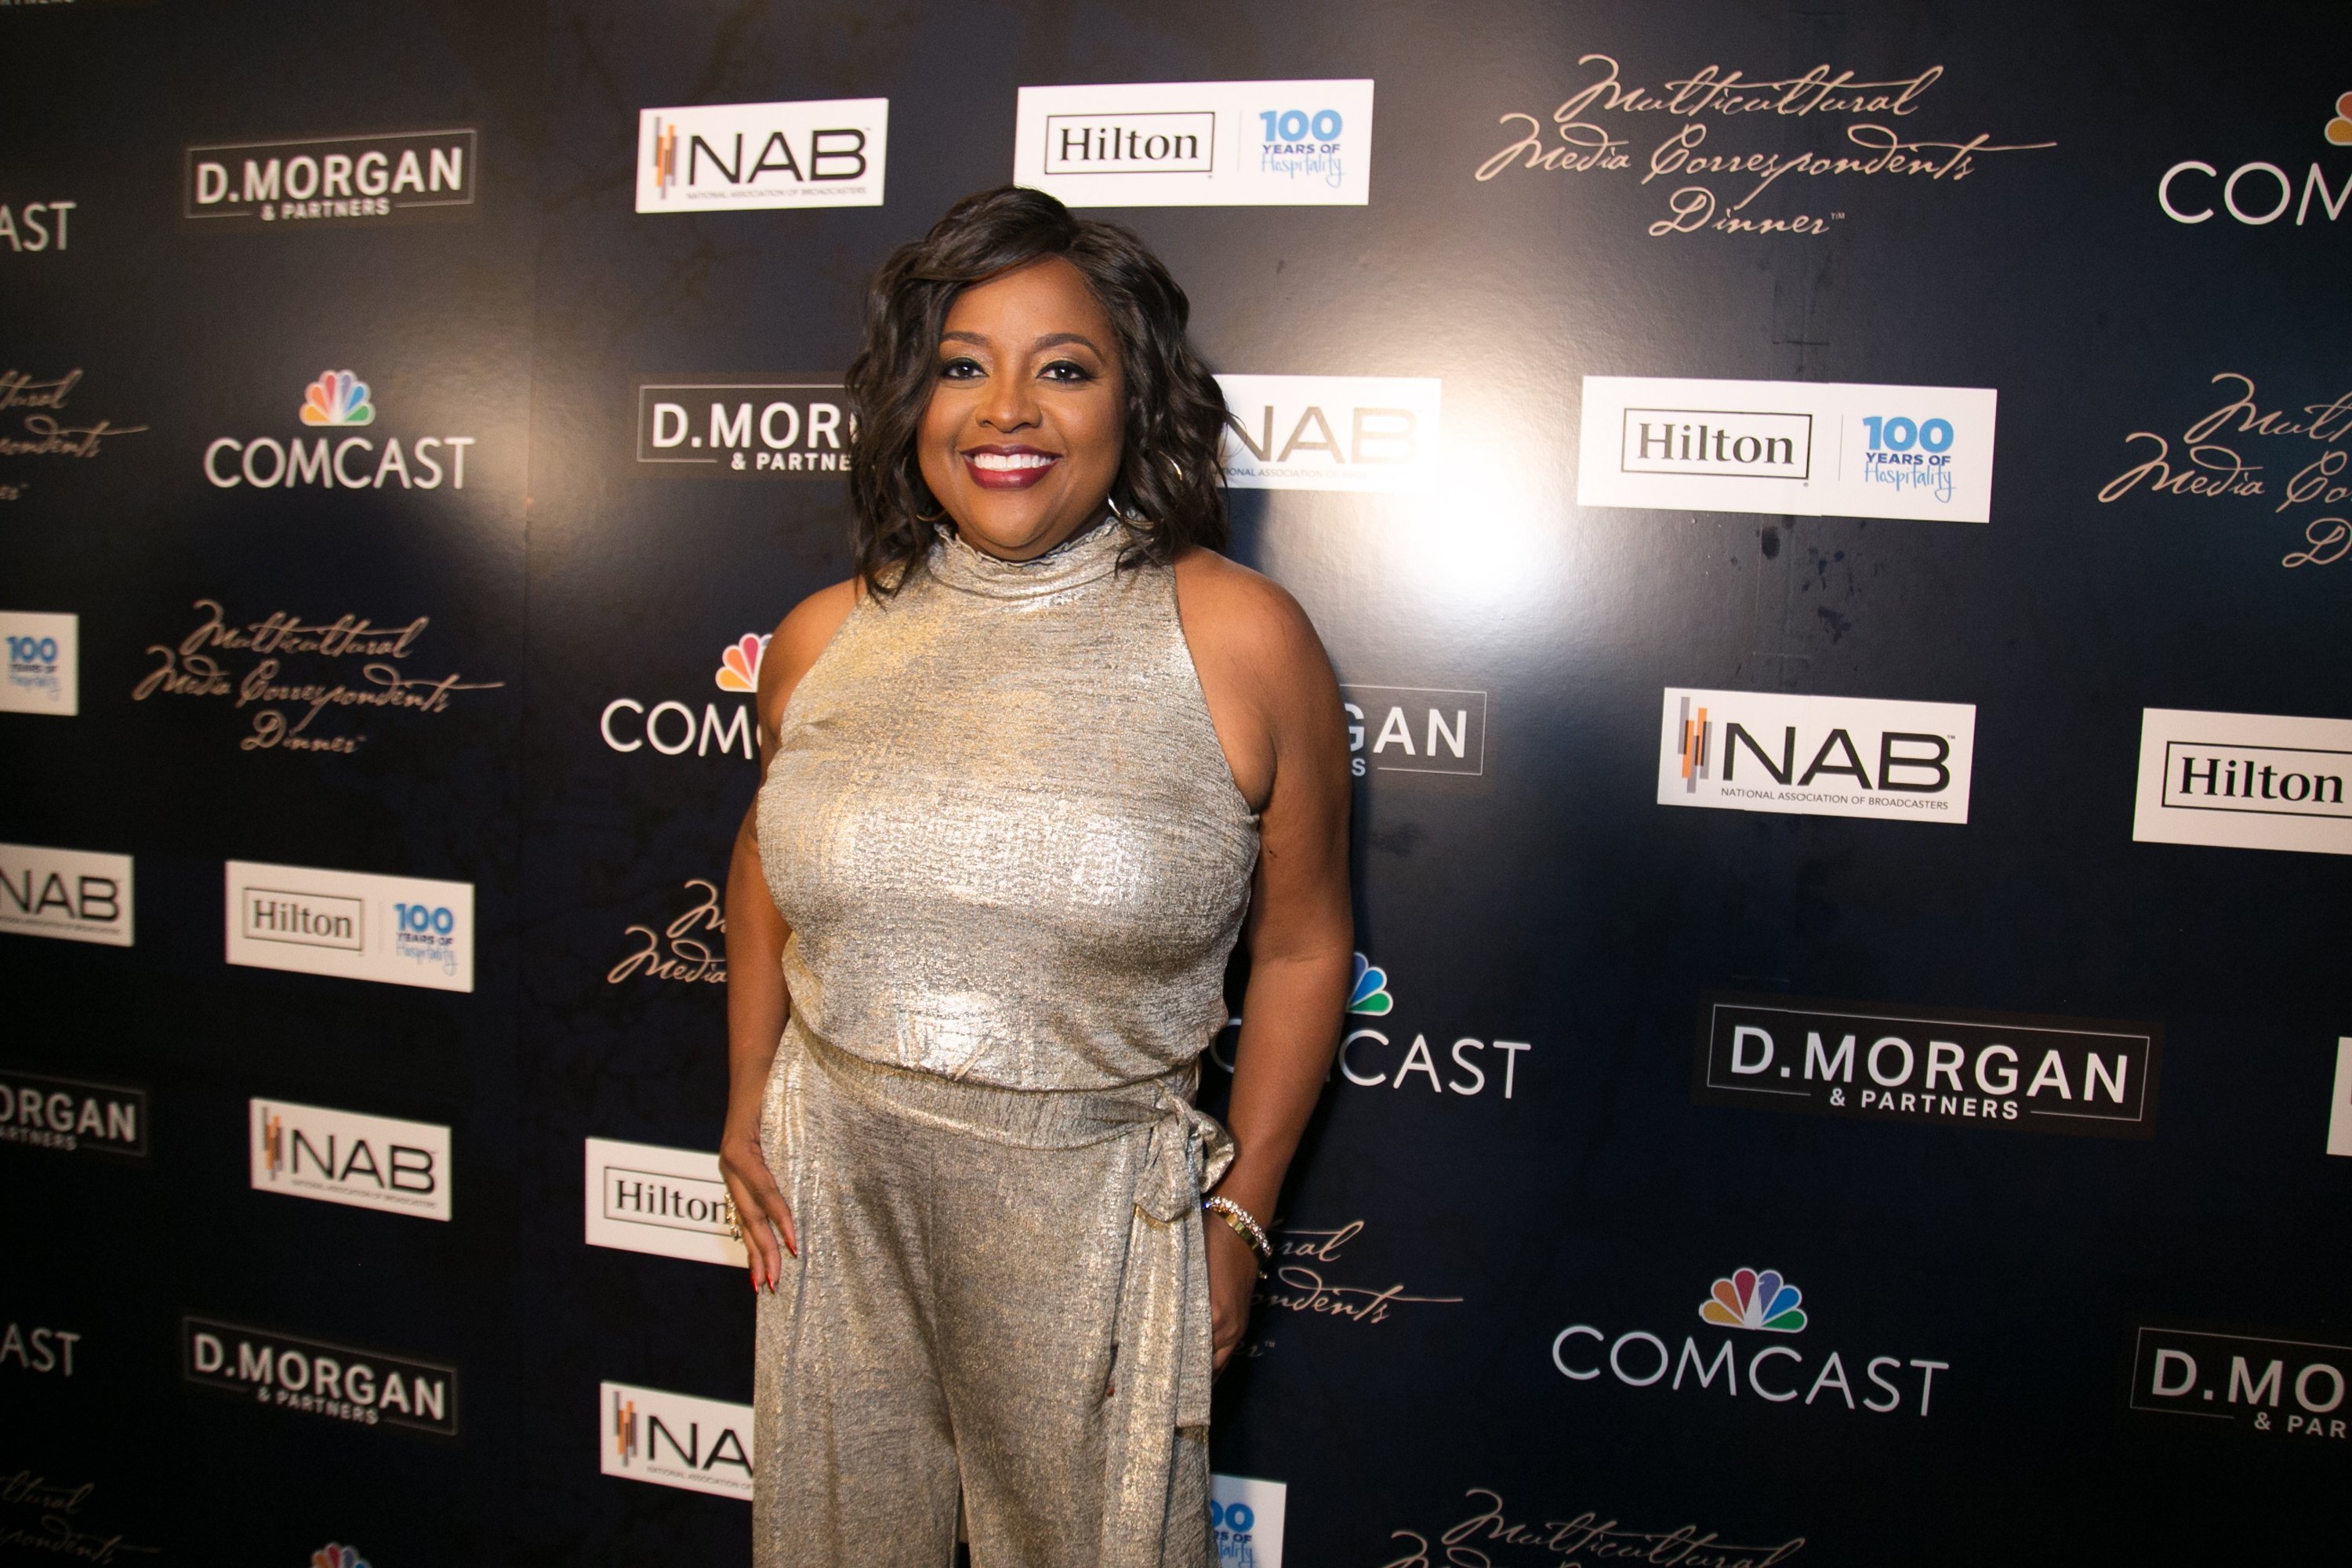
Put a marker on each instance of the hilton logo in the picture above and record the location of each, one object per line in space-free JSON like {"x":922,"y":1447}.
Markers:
{"x":306,"y":918}
{"x":644,"y":1198}
{"x":2248,"y":781}
{"x":1709,"y":441}
{"x":1168,"y":143}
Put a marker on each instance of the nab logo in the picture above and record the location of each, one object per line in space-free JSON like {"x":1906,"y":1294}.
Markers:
{"x":1820,"y":756}
{"x":1358,"y":433}
{"x":69,"y":893}
{"x":747,"y":156}
{"x":342,"y":1157}
{"x":677,"y":1440}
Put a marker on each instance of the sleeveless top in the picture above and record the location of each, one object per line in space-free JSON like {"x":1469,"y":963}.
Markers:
{"x":1001,"y":828}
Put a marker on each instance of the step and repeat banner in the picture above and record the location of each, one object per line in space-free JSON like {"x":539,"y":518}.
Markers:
{"x":1834,"y":527}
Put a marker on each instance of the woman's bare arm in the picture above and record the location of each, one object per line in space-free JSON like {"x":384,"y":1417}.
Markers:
{"x":1276,"y":707}
{"x":757,"y":1002}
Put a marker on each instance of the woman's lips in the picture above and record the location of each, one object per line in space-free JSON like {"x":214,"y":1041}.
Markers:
{"x":1007,"y":468}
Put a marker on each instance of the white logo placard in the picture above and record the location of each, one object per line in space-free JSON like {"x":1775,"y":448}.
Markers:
{"x":2339,"y":1116}
{"x":1246,"y":1515}
{"x":740,"y":157}
{"x":643,"y":1197}
{"x":344,"y":1157}
{"x":675,"y":1440}
{"x":398,"y":930}
{"x":75,"y":894}
{"x":41,"y":651}
{"x":1800,"y":448}
{"x":1817,"y":756}
{"x":1198,"y":143}
{"x":1329,"y":432}
{"x":2244,"y":781}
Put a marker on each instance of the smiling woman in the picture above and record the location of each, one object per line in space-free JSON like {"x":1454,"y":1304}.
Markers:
{"x":1023,"y":778}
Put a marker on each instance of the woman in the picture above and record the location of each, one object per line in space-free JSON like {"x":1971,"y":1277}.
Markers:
{"x":1022,"y":777}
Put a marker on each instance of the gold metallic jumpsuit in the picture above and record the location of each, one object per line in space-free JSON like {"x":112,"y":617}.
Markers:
{"x":1015,"y":863}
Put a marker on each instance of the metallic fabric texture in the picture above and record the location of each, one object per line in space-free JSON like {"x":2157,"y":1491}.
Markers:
{"x":1015,"y":863}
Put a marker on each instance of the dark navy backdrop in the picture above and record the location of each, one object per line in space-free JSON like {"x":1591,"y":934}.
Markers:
{"x":1402,"y":1377}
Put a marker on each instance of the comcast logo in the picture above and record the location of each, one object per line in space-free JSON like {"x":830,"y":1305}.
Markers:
{"x":1752,"y":1300}
{"x":1370,"y":994}
{"x":738,"y":666}
{"x":337,"y":398}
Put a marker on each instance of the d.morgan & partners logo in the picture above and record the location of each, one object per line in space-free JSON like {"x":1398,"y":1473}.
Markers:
{"x":1416,"y":729}
{"x":368,"y":1388}
{"x":743,"y":428}
{"x":2265,"y":1387}
{"x":1761,"y":1301}
{"x":72,"y":1117}
{"x":1939,"y":1066}
{"x":402,"y":176}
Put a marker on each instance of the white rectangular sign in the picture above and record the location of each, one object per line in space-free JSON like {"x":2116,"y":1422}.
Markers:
{"x":42,"y":663}
{"x":399,"y":931}
{"x":1198,"y":143}
{"x":2244,"y":781}
{"x":1246,"y":1515}
{"x":739,"y":157}
{"x":2339,"y":1116}
{"x":344,"y":1157}
{"x":1331,"y":431}
{"x":1817,"y":756}
{"x":76,"y":894}
{"x":675,"y":1440}
{"x":1800,"y":448}
{"x":643,"y":1197}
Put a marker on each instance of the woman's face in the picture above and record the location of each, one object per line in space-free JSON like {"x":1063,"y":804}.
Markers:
{"x":1024,"y":433}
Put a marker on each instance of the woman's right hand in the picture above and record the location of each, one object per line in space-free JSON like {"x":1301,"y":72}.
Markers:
{"x":760,"y":1207}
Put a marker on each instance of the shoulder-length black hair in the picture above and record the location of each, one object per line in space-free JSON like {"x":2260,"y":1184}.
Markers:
{"x":1169,"y":483}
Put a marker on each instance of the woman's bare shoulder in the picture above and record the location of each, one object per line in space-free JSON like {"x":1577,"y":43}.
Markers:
{"x":799,"y":639}
{"x":1232,"y":613}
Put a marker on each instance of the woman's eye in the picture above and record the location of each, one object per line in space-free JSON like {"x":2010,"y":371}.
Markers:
{"x":1067,"y":370}
{"x":959,"y":370}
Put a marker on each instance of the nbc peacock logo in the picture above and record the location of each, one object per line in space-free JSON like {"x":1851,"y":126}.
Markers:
{"x":334,"y":1554}
{"x":337,"y":398}
{"x":2339,"y":130}
{"x":1368,"y":992}
{"x":738,"y":670}
{"x":1749,"y":1299}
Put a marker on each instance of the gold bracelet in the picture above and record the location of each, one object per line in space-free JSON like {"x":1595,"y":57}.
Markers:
{"x":1245,"y":1226}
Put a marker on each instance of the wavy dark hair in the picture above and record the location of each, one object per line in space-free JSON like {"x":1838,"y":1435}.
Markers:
{"x":1169,"y":485}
